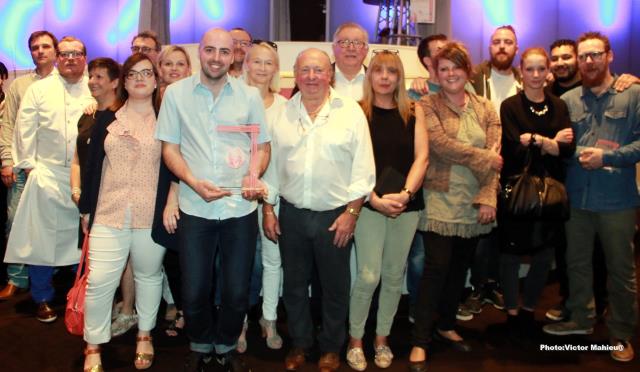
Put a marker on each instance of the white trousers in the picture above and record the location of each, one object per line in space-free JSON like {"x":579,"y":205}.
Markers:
{"x":109,"y":249}
{"x":271,"y":271}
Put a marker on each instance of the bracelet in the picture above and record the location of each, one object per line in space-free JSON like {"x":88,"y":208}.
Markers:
{"x":268,"y":213}
{"x":76,"y":191}
{"x":352,"y":211}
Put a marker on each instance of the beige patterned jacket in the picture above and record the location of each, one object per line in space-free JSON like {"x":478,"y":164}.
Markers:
{"x":443,"y":123}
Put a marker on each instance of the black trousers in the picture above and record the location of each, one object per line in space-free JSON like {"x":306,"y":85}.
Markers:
{"x":445,"y":267}
{"x":305,"y":240}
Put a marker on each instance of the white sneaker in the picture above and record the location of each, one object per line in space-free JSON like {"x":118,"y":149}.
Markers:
{"x":123,"y":323}
{"x":356,"y":359}
{"x":384,"y":356}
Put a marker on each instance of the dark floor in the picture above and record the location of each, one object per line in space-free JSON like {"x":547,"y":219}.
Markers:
{"x":28,"y":345}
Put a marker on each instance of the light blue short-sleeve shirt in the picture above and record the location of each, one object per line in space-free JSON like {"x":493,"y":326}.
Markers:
{"x":192,"y":118}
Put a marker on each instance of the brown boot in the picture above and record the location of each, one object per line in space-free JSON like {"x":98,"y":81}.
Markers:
{"x":329,"y":362}
{"x":9,"y":291}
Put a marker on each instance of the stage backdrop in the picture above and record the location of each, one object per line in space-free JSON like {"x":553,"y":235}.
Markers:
{"x":107,"y":26}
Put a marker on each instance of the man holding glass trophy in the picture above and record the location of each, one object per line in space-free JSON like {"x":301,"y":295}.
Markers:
{"x":215,"y":141}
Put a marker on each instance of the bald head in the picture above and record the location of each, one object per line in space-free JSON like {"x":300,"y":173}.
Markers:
{"x":216,"y":54}
{"x":313,"y":72}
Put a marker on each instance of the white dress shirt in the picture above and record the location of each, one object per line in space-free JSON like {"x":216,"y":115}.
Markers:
{"x":349,"y":88}
{"x":324,"y":164}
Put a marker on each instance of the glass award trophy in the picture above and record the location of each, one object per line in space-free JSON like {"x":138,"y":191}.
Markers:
{"x":238,"y":158}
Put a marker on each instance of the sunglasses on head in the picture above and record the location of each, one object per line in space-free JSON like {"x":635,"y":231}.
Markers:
{"x":270,"y":43}
{"x":388,"y":51}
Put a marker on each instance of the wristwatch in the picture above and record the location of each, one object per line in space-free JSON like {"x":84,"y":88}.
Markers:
{"x":352,"y":211}
{"x":411,"y":195}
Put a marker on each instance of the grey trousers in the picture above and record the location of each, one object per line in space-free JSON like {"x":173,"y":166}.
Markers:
{"x":616,"y":230}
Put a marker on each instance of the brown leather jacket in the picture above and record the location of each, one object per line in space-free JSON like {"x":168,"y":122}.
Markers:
{"x":445,"y":150}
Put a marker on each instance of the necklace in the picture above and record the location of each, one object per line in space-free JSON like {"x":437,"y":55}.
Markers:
{"x":541,"y":112}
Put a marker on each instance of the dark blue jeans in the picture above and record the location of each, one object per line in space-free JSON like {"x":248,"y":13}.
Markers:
{"x":306,"y":241}
{"x":234,"y":239}
{"x":415,"y":265}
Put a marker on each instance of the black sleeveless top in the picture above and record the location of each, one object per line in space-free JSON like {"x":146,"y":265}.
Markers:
{"x":393,"y":147}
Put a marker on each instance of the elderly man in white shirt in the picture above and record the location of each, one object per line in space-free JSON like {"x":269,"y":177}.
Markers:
{"x":322,"y":168}
{"x":45,"y":227}
{"x":350,"y":48}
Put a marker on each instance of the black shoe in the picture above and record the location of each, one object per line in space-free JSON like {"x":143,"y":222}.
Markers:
{"x":231,"y":362}
{"x":456,"y":345}
{"x":195,"y":361}
{"x":420,"y":366}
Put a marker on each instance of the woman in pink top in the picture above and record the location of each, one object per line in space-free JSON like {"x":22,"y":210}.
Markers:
{"x":118,"y":206}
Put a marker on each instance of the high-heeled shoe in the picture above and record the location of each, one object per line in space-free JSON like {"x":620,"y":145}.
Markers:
{"x":269,"y":331}
{"x":143,"y":360}
{"x":94,"y":368}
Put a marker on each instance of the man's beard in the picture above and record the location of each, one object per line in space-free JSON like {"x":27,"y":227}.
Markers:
{"x":502,"y":65}
{"x":571,"y":73}
{"x":594,"y":81}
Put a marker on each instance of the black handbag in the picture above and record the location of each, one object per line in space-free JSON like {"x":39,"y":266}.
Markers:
{"x":534,"y":196}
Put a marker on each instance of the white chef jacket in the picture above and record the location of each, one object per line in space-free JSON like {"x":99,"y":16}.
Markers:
{"x":45,"y":227}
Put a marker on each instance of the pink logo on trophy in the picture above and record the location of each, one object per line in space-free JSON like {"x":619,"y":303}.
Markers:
{"x":236,"y":157}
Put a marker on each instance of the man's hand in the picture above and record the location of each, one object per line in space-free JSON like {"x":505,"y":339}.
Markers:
{"x":90,"y":109}
{"x":344,"y":226}
{"x":8,"y":177}
{"x":565,"y":135}
{"x":420,"y":85}
{"x":550,"y":78}
{"x":591,"y":158}
{"x":486,"y":214}
{"x":259,"y":191}
{"x":270,"y":224}
{"x":208,"y":191}
{"x":624,"y":81}
{"x":170,"y":217}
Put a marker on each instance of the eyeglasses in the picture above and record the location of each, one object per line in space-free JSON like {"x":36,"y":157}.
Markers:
{"x":141,"y":49}
{"x":357,"y":44}
{"x":595,"y":56}
{"x":387,"y":51}
{"x":270,"y":43}
{"x":242,"y":43}
{"x":71,"y":54}
{"x":133,"y":74}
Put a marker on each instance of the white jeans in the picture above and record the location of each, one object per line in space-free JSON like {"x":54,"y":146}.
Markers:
{"x":271,"y":271}
{"x":109,"y":249}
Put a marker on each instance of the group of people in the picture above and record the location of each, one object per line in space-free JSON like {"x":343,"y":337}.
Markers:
{"x":187,"y":183}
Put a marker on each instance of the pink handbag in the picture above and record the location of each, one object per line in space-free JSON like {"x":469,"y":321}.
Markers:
{"x":74,"y":313}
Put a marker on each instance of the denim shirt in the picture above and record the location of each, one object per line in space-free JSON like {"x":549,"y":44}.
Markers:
{"x":610,"y":121}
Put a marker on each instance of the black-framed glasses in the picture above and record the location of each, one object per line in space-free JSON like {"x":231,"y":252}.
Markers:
{"x":357,"y":44}
{"x":595,"y":56}
{"x":71,"y":54}
{"x":141,"y":49}
{"x":270,"y":43}
{"x":242,"y":43}
{"x":133,"y":74}
{"x":388,"y":51}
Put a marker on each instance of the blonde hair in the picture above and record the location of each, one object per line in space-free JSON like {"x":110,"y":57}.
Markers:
{"x":390,"y":60}
{"x":274,"y":85}
{"x":173,"y":48}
